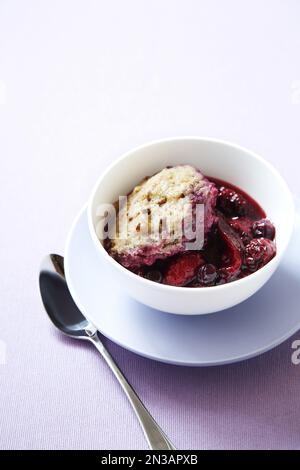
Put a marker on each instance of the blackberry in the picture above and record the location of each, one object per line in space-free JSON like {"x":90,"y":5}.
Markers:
{"x":231,"y":203}
{"x":258,"y":253}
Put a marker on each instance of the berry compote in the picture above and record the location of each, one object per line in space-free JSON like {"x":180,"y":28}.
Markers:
{"x":240,"y":242}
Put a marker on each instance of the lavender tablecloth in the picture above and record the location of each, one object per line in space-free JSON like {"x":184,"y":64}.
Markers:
{"x":80,"y":83}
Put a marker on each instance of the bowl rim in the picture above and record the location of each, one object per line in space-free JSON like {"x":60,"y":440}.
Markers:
{"x":172,"y":289}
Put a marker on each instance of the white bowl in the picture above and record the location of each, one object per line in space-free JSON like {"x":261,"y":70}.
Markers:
{"x":214,"y":158}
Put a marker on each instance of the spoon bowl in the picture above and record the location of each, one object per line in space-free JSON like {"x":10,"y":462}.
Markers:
{"x":57,"y":300}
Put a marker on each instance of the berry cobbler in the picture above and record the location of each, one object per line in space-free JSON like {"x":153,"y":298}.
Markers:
{"x":237,"y":237}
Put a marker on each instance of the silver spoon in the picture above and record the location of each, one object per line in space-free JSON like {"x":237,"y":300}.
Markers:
{"x":65,"y":315}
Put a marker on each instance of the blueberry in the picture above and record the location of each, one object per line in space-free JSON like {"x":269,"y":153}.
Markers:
{"x":263,"y":229}
{"x":154,"y":275}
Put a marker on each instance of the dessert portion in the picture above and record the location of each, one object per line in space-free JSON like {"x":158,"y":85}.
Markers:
{"x":237,"y":237}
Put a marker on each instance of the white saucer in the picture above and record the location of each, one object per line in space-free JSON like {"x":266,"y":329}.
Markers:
{"x":247,"y":330}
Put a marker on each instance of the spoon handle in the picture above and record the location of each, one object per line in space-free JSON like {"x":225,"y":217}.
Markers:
{"x":156,"y":438}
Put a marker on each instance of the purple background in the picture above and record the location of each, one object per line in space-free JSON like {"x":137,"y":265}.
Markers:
{"x":80,"y":83}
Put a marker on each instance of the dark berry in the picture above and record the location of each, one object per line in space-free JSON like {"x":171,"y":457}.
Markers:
{"x":258,"y":253}
{"x":207,"y":275}
{"x":183,"y":269}
{"x":243,"y":226}
{"x":154,"y":275}
{"x":263,"y":229}
{"x":231,"y":203}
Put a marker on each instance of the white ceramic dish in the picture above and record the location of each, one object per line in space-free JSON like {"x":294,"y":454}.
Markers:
{"x":246,"y":330}
{"x":215,"y":158}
